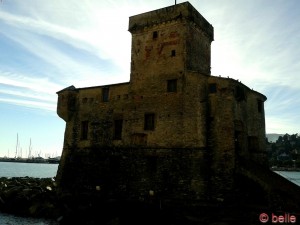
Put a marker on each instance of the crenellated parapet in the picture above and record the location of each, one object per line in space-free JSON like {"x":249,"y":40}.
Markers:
{"x":184,"y":11}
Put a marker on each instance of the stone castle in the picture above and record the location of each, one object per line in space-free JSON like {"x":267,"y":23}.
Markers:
{"x":173,"y":131}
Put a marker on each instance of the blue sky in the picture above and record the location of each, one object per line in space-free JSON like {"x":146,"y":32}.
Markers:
{"x":46,"y":46}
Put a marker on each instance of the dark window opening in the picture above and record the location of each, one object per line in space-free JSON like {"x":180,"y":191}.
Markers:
{"x":173,"y":53}
{"x":259,"y":105}
{"x":139,"y":139}
{"x":172,"y":85}
{"x":149,"y":121}
{"x":253,"y":143}
{"x":72,"y":103}
{"x":118,"y":129}
{"x":105,"y":94}
{"x":212,"y":88}
{"x":240,"y":94}
{"x":155,"y":35}
{"x":84,"y":130}
{"x":238,"y":141}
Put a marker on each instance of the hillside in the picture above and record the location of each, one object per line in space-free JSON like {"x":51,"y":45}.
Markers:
{"x":273,"y":137}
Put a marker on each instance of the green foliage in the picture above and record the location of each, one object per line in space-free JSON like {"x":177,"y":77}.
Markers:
{"x":285,"y":152}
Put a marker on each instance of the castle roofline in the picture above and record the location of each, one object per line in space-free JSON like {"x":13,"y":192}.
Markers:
{"x":73,"y":88}
{"x":103,"y":86}
{"x":240,"y":83}
{"x":179,"y":11}
{"x":70,"y":88}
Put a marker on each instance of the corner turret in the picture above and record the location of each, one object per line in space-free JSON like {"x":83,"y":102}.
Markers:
{"x":66,"y":104}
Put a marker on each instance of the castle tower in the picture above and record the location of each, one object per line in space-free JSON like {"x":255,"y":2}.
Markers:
{"x":174,"y":132}
{"x":168,"y":42}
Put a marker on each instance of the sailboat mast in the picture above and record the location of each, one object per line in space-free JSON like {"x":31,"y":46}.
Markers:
{"x":17,"y":145}
{"x":29,"y":154}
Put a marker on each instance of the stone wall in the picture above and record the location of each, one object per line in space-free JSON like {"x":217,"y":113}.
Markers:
{"x":220,"y":116}
{"x":140,"y":174}
{"x":236,"y":129}
{"x":179,"y":116}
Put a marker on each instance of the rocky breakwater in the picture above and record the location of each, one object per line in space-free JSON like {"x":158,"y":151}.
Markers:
{"x":34,"y":197}
{"x":25,"y":196}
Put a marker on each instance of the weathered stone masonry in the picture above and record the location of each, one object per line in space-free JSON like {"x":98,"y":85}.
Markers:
{"x":174,"y":131}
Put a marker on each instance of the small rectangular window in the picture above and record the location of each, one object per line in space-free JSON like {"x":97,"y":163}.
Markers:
{"x":173,"y":53}
{"x":155,"y":35}
{"x":139,"y":139}
{"x":259,"y":105}
{"x":105,"y":94}
{"x":240,"y":94}
{"x":84,"y":130}
{"x":118,"y":125}
{"x":172,"y":85}
{"x":212,"y":88}
{"x":149,"y":121}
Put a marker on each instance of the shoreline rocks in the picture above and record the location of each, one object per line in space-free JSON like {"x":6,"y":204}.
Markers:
{"x":26,"y":196}
{"x":40,"y":198}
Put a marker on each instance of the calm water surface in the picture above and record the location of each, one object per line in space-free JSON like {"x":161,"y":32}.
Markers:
{"x":39,"y":170}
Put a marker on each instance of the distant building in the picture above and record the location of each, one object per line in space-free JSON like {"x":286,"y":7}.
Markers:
{"x":174,"y":131}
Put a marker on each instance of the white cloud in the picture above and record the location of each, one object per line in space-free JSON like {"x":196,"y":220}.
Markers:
{"x":21,"y":93}
{"x":30,"y":104}
{"x":32,"y":92}
{"x":95,"y":37}
{"x":30,"y":34}
{"x":36,"y":84}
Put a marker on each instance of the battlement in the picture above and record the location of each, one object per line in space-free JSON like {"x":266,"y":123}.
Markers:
{"x":183,"y":11}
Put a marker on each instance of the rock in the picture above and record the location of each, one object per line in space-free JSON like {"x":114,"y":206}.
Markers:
{"x":29,"y":197}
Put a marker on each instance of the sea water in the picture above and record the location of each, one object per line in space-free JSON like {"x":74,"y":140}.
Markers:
{"x":293,"y":176}
{"x":37,"y":170}
{"x":8,"y":219}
